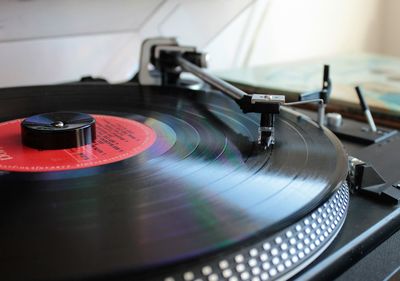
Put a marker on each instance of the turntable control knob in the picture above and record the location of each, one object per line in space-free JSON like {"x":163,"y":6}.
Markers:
{"x":58,"y":130}
{"x":334,"y":120}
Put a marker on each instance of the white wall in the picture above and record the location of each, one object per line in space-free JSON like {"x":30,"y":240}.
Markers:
{"x":267,"y":32}
{"x":295,"y":30}
{"x":292,"y":30}
{"x":47,"y":41}
{"x":391,"y":28}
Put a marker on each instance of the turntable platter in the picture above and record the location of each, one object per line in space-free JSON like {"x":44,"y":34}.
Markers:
{"x":202,"y":186}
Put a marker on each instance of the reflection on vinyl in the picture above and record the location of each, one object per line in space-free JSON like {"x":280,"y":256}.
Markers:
{"x":201,"y":185}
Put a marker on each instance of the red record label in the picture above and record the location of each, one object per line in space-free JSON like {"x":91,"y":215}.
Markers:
{"x":116,"y":139}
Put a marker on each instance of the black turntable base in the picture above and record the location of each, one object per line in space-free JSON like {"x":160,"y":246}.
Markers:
{"x":199,"y":200}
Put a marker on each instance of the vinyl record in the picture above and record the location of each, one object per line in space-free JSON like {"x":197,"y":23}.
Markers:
{"x":200,"y":185}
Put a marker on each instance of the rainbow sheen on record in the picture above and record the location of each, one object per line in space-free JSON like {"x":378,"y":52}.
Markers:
{"x":203,"y":186}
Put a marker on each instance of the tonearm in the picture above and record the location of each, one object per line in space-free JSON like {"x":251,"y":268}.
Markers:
{"x":170,"y":59}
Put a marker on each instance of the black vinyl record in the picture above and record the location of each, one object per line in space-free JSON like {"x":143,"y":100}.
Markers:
{"x":202,"y":186}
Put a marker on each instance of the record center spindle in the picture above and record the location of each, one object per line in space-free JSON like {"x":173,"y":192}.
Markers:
{"x":58,"y":130}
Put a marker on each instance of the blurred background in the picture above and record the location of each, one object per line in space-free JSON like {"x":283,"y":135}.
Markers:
{"x":45,"y":41}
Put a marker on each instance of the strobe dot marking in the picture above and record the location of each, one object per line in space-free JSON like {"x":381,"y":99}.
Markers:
{"x":227,"y":273}
{"x":273,"y":272}
{"x":206,"y":270}
{"x":278,"y":240}
{"x":278,"y":255}
{"x":239,"y":258}
{"x":245,"y":275}
{"x":240,"y":268}
{"x":256,"y":271}
{"x":266,"y":265}
{"x":252,"y":262}
{"x":288,"y":263}
{"x":188,"y":276}
{"x":263,"y":257}
{"x":223,"y":264}
{"x":253,"y":252}
{"x":266,"y":246}
{"x":275,"y":260}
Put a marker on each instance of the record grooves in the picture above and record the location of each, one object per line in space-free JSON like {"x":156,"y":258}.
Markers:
{"x":202,"y":186}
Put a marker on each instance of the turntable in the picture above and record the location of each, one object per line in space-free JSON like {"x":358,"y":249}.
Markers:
{"x":166,"y":178}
